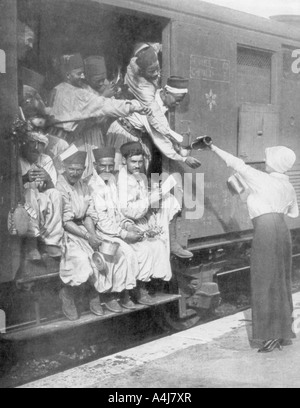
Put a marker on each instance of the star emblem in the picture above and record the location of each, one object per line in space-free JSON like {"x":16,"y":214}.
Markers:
{"x":211,"y":99}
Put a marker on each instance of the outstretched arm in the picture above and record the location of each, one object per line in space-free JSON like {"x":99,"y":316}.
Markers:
{"x":252,"y":176}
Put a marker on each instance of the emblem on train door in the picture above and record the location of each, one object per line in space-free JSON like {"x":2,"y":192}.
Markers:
{"x":211,"y":99}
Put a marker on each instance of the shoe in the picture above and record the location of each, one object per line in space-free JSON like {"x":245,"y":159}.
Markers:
{"x":128,"y":305}
{"x":270,"y":346}
{"x":95,"y":306}
{"x":68,"y":303}
{"x":176,"y":248}
{"x":144,"y":298}
{"x":178,"y":251}
{"x":126,"y":302}
{"x":112,"y":304}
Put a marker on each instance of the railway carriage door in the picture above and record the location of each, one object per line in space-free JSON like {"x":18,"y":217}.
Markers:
{"x":206,"y":54}
{"x":8,"y":110}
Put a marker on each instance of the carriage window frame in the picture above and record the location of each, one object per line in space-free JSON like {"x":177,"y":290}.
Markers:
{"x":263,"y":61}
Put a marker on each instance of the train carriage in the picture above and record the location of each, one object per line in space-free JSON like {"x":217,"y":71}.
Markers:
{"x":243,"y":93}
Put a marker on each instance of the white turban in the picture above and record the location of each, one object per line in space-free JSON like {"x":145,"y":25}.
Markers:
{"x":38,"y":137}
{"x":280,"y":158}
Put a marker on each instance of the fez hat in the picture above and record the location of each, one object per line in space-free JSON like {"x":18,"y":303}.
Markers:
{"x":104,"y":153}
{"x":76,"y":158}
{"x":280,"y":158}
{"x":71,"y":62}
{"x":95,"y":65}
{"x":132,"y":149}
{"x":32,"y":79}
{"x":146,"y":57}
{"x":177,"y":83}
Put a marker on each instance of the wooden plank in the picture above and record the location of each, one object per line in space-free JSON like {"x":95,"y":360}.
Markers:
{"x":64,"y":325}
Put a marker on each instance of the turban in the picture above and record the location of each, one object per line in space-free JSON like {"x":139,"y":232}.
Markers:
{"x":104,"y":153}
{"x":280,"y":158}
{"x":71,"y":62}
{"x":76,"y":158}
{"x":139,"y":47}
{"x":132,"y":149}
{"x":95,"y":65}
{"x":32,"y":79}
{"x":146,"y":57}
{"x":38,"y":137}
{"x":177,"y":85}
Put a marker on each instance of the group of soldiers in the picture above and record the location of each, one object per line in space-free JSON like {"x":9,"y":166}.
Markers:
{"x":86,"y":163}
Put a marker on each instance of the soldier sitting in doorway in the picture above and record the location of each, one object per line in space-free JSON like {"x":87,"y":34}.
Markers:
{"x":43,"y":201}
{"x":137,"y":252}
{"x":80,"y":239}
{"x":140,"y":206}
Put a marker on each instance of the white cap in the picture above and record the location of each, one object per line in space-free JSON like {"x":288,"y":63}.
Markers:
{"x":280,"y":158}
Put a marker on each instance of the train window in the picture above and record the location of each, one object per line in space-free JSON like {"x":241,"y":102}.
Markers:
{"x":253,"y":76}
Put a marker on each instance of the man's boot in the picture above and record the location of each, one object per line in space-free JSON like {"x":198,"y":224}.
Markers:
{"x":111,"y":302}
{"x":176,"y":248}
{"x":143,"y":297}
{"x":126,"y":301}
{"x":95,"y":305}
{"x":67,"y":296}
{"x":32,"y":253}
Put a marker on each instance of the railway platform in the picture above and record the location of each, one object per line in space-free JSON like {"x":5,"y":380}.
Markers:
{"x":218,"y":354}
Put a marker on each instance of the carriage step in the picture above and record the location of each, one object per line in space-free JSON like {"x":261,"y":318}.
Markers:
{"x":88,"y":318}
